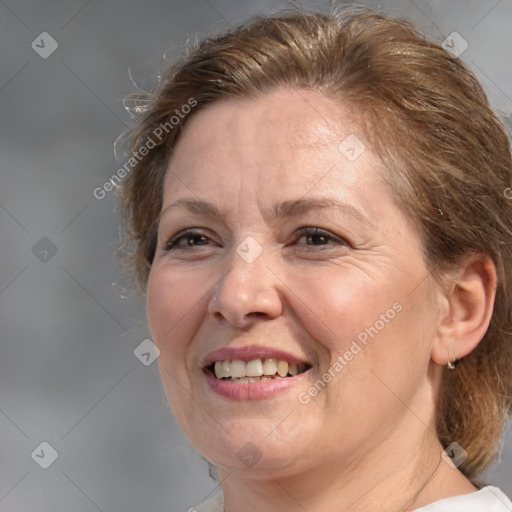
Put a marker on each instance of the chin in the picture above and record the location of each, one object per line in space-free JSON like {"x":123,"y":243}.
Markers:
{"x":248,"y":445}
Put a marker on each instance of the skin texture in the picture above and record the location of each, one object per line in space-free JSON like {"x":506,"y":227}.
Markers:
{"x":368,"y":437}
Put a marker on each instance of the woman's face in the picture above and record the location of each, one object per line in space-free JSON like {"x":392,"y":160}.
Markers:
{"x":281,"y":251}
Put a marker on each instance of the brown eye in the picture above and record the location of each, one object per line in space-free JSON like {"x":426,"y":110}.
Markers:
{"x":195,"y":240}
{"x":318,"y":237}
{"x":187,"y":239}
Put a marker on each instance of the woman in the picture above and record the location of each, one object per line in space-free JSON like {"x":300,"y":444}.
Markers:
{"x":318,"y":218}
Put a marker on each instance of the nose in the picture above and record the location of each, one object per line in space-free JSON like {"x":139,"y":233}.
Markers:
{"x":248,"y":292}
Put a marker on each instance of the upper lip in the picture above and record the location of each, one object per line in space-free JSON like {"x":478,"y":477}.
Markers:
{"x":249,"y":353}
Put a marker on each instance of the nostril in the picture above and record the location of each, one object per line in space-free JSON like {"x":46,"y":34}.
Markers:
{"x":257,"y":314}
{"x":240,"y":299}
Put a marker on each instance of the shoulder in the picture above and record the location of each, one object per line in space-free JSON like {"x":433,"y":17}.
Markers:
{"x":214,"y":504}
{"x":490,"y":499}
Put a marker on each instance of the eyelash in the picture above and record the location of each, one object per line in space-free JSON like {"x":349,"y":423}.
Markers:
{"x":320,"y":232}
{"x":305,"y":231}
{"x":173,"y":242}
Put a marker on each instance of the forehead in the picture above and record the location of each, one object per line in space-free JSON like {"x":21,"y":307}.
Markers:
{"x":287,"y":139}
{"x":303,"y":117}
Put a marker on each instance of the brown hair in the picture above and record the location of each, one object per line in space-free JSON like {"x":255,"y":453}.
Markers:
{"x":447,"y":157}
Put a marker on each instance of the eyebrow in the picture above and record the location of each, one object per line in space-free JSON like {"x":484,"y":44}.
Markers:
{"x":281,"y":210}
{"x":195,"y":206}
{"x":302,"y":206}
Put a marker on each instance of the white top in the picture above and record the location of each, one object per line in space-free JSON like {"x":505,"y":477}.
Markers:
{"x":488,"y":499}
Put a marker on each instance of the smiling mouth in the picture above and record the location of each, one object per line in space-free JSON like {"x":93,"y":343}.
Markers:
{"x":256,"y":370}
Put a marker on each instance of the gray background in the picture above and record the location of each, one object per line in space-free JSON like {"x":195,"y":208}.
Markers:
{"x":68,"y":374}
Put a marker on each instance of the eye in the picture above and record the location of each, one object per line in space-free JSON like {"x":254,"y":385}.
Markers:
{"x":187,"y":239}
{"x":318,"y":237}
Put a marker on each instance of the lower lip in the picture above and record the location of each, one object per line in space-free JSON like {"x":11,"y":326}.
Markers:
{"x":251,"y":390}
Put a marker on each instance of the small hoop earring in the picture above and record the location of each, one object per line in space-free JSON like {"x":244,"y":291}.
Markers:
{"x":450,"y":364}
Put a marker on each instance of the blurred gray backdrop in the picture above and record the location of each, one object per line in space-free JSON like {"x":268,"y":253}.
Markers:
{"x":84,"y":424}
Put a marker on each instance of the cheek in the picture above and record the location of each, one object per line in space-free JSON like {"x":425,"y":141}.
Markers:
{"x":368,"y":319}
{"x":337,"y":304}
{"x":367,"y":330}
{"x":174,"y":309}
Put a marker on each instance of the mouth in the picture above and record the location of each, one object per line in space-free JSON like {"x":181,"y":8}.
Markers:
{"x":255,"y":370}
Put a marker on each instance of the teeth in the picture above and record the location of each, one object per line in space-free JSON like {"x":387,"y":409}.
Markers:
{"x":222,"y":369}
{"x":219,"y":372}
{"x":282,"y":368}
{"x":269,"y":367}
{"x":238,"y":368}
{"x":226,"y":368}
{"x":256,"y":370}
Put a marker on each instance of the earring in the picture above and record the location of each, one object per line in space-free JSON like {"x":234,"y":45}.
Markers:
{"x":450,"y":364}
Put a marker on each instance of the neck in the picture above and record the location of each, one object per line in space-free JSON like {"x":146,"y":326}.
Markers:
{"x":407,"y":477}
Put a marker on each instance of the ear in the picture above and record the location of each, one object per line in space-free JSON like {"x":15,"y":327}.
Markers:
{"x":467,"y":305}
